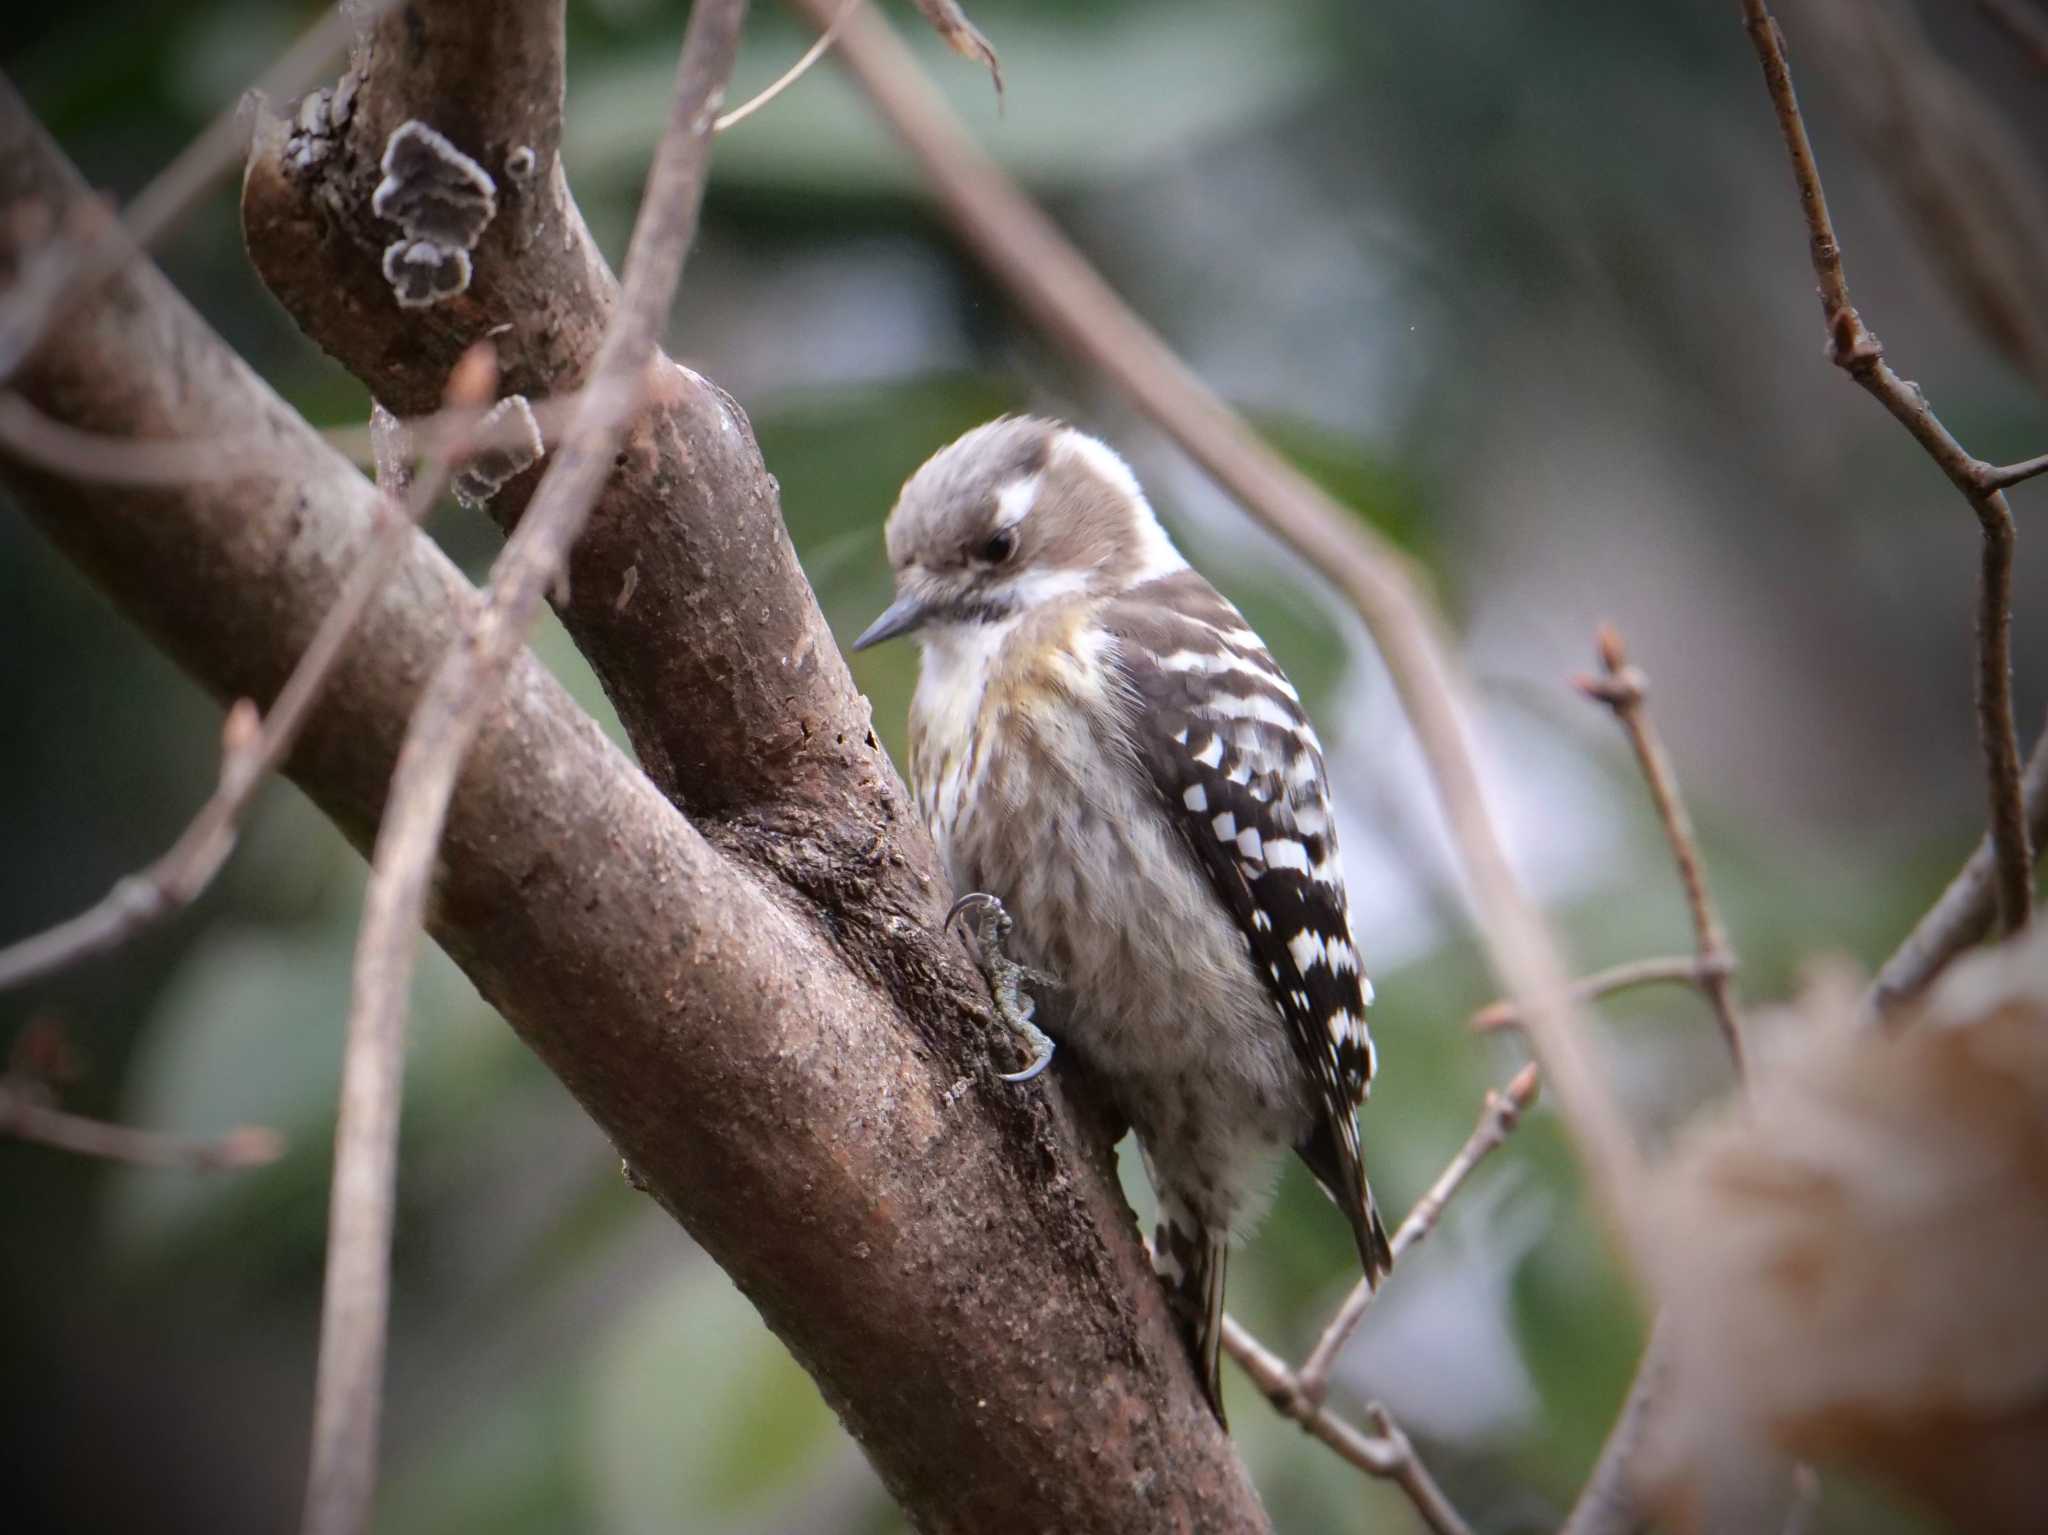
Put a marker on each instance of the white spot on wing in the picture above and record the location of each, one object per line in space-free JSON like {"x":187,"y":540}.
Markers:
{"x":1212,"y":753}
{"x":1306,"y":947}
{"x":1257,"y":706}
{"x":1225,"y":826}
{"x":1248,"y":845}
{"x":1196,"y":798}
{"x":1286,"y":853}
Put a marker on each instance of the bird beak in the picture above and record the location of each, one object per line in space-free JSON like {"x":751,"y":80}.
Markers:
{"x":902,"y":616}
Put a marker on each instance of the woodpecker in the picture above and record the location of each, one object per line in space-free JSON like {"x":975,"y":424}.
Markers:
{"x":1100,"y":742}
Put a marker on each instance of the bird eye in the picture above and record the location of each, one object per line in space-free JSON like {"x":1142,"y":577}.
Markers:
{"x":1000,"y":546}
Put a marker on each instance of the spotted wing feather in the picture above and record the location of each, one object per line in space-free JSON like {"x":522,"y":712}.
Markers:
{"x":1240,"y":772}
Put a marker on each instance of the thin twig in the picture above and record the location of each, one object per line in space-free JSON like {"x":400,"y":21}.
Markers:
{"x":1498,"y":1117}
{"x":1625,"y":690}
{"x":34,"y":438}
{"x":2023,"y":26}
{"x":25,"y":1118}
{"x":1056,"y":287}
{"x":75,"y":263}
{"x":1966,"y":911}
{"x":1606,"y":1504}
{"x":1856,"y":350}
{"x":1385,"y":1453}
{"x":789,"y":76}
{"x":251,"y":750}
{"x":1677,"y":969}
{"x":2012,"y":474}
{"x":1609,"y":1503}
{"x":463,"y":690}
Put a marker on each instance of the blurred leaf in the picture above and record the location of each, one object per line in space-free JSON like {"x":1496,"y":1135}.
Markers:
{"x":1852,"y":1260}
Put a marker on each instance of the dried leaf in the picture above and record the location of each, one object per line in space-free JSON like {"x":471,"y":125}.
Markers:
{"x":1853,"y":1262}
{"x":963,"y":36}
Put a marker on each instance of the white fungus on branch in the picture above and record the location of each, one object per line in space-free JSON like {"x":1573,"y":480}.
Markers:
{"x":443,"y":200}
{"x":512,"y":442}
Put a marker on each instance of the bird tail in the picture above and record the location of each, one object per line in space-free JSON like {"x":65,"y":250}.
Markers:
{"x":1333,"y":1155}
{"x":1190,"y":1259}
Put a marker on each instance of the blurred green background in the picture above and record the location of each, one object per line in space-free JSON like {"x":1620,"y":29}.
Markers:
{"x":1524,"y":283}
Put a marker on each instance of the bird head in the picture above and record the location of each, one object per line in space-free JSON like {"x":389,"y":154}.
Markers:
{"x":1016,"y":514}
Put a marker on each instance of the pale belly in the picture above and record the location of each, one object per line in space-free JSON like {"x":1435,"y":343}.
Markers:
{"x":1042,"y":807}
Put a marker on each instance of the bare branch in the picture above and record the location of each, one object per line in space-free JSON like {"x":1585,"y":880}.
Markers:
{"x":1498,"y":1117}
{"x":251,"y":749}
{"x":1683,"y":970}
{"x":1856,"y":350}
{"x":1384,"y":1453}
{"x":24,"y":1117}
{"x":1606,"y":1505}
{"x":1057,"y":288}
{"x":33,"y":437}
{"x":1609,"y":1503}
{"x":963,"y":37}
{"x":2023,"y":26}
{"x":1968,"y":186}
{"x":1965,"y":913}
{"x":789,"y":76}
{"x":2013,"y":474}
{"x":63,"y":271}
{"x":464,"y":689}
{"x":1624,"y":690}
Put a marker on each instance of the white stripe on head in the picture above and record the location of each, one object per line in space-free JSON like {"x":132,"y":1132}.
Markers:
{"x":1015,"y":500}
{"x":1156,"y":555}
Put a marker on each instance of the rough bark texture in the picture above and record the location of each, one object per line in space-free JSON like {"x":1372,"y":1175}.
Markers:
{"x":751,"y":1000}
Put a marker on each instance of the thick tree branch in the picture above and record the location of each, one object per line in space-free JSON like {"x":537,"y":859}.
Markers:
{"x":1856,"y":350}
{"x":341,"y":1485}
{"x":719,"y":662}
{"x":801,"y":1082}
{"x":252,"y":748}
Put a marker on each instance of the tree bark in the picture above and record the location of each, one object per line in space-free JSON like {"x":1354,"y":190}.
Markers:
{"x":752,"y":999}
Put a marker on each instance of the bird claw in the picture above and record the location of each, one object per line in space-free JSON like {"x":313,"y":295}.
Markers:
{"x":1006,"y":980}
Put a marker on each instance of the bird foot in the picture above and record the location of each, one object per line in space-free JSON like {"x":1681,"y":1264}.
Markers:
{"x":1006,"y":978}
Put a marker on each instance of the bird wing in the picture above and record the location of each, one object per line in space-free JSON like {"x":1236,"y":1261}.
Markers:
{"x":1240,"y":773}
